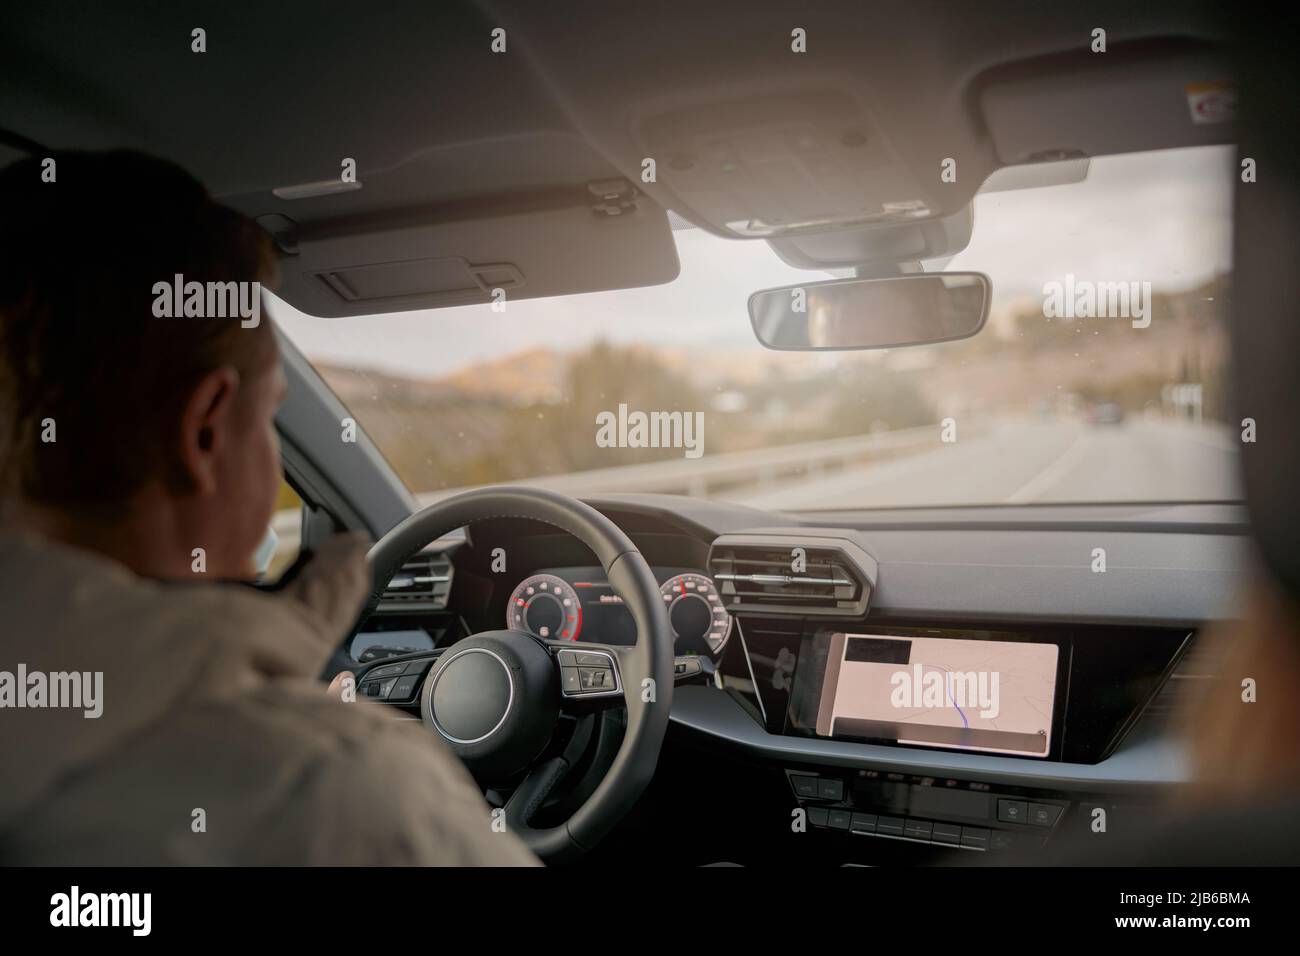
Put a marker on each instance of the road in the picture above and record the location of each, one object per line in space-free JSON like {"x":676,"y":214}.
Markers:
{"x":1009,"y":463}
{"x":1020,"y":463}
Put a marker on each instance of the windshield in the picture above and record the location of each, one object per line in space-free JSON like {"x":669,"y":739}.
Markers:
{"x":1099,"y":376}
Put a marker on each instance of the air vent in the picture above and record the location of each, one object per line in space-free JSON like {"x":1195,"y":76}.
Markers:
{"x":422,"y":584}
{"x":797,"y":575}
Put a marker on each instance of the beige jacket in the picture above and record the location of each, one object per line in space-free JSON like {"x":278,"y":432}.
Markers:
{"x":216,"y":744}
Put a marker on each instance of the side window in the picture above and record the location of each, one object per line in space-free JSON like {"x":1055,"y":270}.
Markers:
{"x":287,"y":524}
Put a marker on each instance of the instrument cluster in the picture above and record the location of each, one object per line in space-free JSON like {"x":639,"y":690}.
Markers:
{"x":573,"y":604}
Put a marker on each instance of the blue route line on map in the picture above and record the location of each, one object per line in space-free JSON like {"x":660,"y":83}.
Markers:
{"x":947,"y":675}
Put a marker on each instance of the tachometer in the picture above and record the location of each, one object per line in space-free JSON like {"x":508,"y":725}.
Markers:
{"x":700,"y":622}
{"x":546,"y":606}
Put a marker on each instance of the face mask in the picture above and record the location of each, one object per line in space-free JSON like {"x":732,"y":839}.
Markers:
{"x":266,"y":551}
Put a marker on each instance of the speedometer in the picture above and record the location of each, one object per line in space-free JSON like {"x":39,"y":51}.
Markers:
{"x":701,"y":624}
{"x":546,"y":606}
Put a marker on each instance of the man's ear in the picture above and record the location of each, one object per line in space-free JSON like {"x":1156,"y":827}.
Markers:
{"x":206,"y":420}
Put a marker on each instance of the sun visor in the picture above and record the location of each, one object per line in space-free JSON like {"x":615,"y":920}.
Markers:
{"x":1133,"y":97}
{"x":606,"y":237}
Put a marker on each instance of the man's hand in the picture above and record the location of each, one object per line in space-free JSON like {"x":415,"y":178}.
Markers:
{"x":334,"y":581}
{"x":343,"y":687}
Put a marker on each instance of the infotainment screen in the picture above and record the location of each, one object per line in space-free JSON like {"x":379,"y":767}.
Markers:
{"x":986,"y":695}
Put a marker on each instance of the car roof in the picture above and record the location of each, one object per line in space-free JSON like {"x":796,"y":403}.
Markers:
{"x":748,"y":136}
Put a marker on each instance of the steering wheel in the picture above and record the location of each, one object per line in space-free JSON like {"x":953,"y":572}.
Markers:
{"x":495,"y":697}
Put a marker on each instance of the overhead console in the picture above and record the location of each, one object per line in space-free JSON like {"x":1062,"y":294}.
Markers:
{"x":784,"y":161}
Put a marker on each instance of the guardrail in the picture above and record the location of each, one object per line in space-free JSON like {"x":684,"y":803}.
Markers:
{"x":701,"y":477}
{"x":760,"y":468}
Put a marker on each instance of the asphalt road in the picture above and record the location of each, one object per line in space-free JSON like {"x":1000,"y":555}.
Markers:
{"x":1019,"y":463}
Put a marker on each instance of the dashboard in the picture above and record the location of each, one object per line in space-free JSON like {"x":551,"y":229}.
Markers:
{"x":957,"y":678}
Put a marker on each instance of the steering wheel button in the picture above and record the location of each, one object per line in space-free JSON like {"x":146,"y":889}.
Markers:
{"x":404,"y":689}
{"x":378,"y":689}
{"x":591,"y":660}
{"x":386,"y":670}
{"x":687,"y":666}
{"x":596,"y":678}
{"x":570,"y":677}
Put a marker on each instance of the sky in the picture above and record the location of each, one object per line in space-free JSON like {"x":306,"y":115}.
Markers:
{"x":1163,"y":217}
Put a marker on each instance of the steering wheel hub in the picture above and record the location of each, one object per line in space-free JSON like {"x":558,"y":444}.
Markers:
{"x":493,"y":700}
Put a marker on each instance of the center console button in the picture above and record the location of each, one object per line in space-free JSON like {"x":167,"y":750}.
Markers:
{"x":838,"y":819}
{"x":917,"y":829}
{"x":1013,"y":811}
{"x":830,"y":789}
{"x":863,"y":823}
{"x":946,"y":833}
{"x":889,"y":826}
{"x":1043,"y":814}
{"x":977,"y":838}
{"x":804,"y":786}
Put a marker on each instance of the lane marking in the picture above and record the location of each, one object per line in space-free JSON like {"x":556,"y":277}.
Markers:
{"x":1052,"y":474}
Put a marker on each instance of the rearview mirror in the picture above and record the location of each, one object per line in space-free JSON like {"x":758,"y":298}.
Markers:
{"x":844,"y":314}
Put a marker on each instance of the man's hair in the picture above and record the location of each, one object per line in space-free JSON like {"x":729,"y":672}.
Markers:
{"x":79,"y":342}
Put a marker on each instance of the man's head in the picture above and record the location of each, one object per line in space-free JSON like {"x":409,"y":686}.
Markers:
{"x":139,"y":435}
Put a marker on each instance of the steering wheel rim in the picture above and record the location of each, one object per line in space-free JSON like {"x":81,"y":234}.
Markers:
{"x":646,"y":668}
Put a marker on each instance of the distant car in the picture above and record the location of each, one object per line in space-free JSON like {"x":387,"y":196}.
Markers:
{"x":1106,"y":413}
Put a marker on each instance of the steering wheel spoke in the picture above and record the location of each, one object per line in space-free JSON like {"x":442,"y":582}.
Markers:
{"x":528,"y":797}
